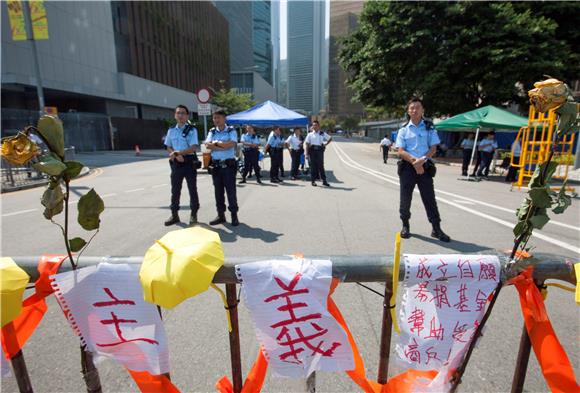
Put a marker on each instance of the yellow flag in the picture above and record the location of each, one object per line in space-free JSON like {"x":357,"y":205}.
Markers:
{"x":39,"y":21}
{"x":16,"y":17}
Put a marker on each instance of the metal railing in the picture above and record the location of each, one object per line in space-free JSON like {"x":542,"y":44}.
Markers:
{"x":348,"y":269}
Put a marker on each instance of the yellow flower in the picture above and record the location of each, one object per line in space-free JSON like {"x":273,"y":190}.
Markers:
{"x":548,"y":94}
{"x":19,"y":149}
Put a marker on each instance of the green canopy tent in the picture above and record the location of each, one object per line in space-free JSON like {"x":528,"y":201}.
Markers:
{"x":489,"y":117}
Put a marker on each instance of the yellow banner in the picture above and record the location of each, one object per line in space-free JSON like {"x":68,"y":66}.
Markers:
{"x":39,"y":21}
{"x":16,"y":17}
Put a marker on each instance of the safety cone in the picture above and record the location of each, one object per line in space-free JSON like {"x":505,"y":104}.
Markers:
{"x":137,"y":150}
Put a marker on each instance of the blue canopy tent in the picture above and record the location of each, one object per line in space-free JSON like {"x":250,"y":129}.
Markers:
{"x":268,"y":114}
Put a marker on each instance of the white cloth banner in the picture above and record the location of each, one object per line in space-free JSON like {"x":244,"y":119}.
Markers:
{"x":287,"y":300}
{"x":444,"y":299}
{"x":105,"y":307}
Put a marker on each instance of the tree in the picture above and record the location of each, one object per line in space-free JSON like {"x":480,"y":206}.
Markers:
{"x":328,"y":123}
{"x":349,"y":123}
{"x":456,"y":56}
{"x":231,"y":101}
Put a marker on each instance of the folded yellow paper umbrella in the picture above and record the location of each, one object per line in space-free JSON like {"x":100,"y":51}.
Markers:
{"x":13,"y":282}
{"x":180,"y":265}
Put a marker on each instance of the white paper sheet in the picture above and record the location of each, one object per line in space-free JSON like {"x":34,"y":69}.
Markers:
{"x":104,"y":305}
{"x":287,"y":300}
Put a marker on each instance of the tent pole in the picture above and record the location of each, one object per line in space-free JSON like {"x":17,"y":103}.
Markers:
{"x":473,"y":152}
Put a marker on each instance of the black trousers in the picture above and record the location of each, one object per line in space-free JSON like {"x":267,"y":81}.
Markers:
{"x":317,"y":164}
{"x":276,"y":154}
{"x":224,"y":182}
{"x":295,"y":155}
{"x":180,"y":171}
{"x":385,"y":153}
{"x":408,"y":178}
{"x":512,"y":174}
{"x":251,"y":161}
{"x":466,"y":158}
{"x":486,"y":158}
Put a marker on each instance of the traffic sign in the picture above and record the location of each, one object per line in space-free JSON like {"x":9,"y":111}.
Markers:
{"x":203,"y":96}
{"x":203,"y":109}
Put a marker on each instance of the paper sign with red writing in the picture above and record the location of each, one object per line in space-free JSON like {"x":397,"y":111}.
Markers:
{"x":287,"y":303}
{"x":104,"y":305}
{"x":444,"y":299}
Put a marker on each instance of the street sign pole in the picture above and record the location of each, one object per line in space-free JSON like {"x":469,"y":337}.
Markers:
{"x":204,"y":127}
{"x":30,"y":36}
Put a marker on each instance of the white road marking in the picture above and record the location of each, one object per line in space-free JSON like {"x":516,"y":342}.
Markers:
{"x":19,"y":212}
{"x":160,"y":185}
{"x":463,"y":202}
{"x":134,"y":190}
{"x":108,"y":195}
{"x":353,"y":164}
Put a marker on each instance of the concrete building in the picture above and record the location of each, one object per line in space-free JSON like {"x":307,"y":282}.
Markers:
{"x":124,"y":59}
{"x":306,"y":56}
{"x":275,"y":8}
{"x":250,"y":46}
{"x":343,"y":21}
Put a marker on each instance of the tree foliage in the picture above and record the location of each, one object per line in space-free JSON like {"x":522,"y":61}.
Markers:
{"x":349,"y":123}
{"x":458,"y":56}
{"x":231,"y":101}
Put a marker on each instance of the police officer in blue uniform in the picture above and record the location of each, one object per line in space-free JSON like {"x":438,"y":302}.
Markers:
{"x":251,"y":144}
{"x":222,"y":141}
{"x":314,"y":146}
{"x":275,"y":146}
{"x":417,"y":142}
{"x":181,"y":143}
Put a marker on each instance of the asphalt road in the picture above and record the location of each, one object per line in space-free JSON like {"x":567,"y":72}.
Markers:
{"x":357,"y":215}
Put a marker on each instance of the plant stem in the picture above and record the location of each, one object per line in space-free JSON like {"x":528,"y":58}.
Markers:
{"x":66,"y":196}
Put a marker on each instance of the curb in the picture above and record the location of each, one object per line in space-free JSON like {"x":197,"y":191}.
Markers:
{"x":5,"y":190}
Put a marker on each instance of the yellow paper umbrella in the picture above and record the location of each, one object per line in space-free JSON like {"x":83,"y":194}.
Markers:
{"x":180,"y":265}
{"x":13,"y":282}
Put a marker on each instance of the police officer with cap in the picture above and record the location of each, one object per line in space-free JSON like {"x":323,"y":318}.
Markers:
{"x":314,"y":146}
{"x":417,"y":142}
{"x":222,"y":141}
{"x":275,"y":146}
{"x":251,"y":144}
{"x":181,"y":143}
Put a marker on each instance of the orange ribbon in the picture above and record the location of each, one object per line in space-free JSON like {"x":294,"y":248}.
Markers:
{"x":556,"y":367}
{"x":149,"y":383}
{"x":254,"y":380}
{"x":16,"y":333}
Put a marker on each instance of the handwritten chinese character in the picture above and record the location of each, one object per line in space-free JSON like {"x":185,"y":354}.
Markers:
{"x":440,"y":296}
{"x":459,"y":331}
{"x":412,"y":353}
{"x":443,"y":271}
{"x":423,"y":271}
{"x":462,"y":304}
{"x":487,"y":271}
{"x":422,"y":292}
{"x":434,"y":332}
{"x":431,"y":355}
{"x":465,"y":269}
{"x":117,"y":321}
{"x":480,"y":300}
{"x":417,"y":318}
{"x":115,"y":302}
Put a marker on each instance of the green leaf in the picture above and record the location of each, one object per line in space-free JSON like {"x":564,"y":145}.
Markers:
{"x":50,"y":128}
{"x":541,"y":197}
{"x":90,"y":207}
{"x":76,"y":244}
{"x":50,"y":165}
{"x":520,"y":228}
{"x":73,"y":168}
{"x":535,"y":181}
{"x":540,"y":219}
{"x":562,"y":200}
{"x":522,"y":211}
{"x":52,"y":199}
{"x":568,"y":112}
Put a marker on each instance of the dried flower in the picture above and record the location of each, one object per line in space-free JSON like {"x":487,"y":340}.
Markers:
{"x":19,"y":149}
{"x":548,"y":94}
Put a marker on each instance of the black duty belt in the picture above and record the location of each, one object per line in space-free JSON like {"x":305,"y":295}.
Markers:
{"x":316,"y":147}
{"x":275,"y":148}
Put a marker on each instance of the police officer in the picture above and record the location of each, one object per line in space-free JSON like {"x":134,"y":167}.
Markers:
{"x":181,"y":144}
{"x":385,"y":147}
{"x":467,"y":145}
{"x":275,"y":146}
{"x":222,"y":141}
{"x":486,"y":149}
{"x":417,"y":142}
{"x":251,"y":144}
{"x":314,"y":146}
{"x":295,"y":146}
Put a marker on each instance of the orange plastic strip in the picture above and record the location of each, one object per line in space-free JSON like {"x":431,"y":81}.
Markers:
{"x":556,"y":367}
{"x":254,"y":380}
{"x":149,"y":383}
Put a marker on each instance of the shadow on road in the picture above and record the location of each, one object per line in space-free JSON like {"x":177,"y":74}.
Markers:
{"x":243,"y":230}
{"x":454,"y":245}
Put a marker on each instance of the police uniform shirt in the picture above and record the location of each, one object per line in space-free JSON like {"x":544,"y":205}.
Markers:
{"x":294,"y":142}
{"x":516,"y":149}
{"x":386,"y":142}
{"x":248,"y":138}
{"x":225,"y":135}
{"x":175,"y":140}
{"x":317,"y":138}
{"x":275,"y":141}
{"x":416,"y":139}
{"x":488,"y":145}
{"x":467,"y":144}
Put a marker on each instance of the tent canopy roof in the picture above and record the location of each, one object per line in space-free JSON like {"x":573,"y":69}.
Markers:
{"x":485,"y":117}
{"x":267,"y":114}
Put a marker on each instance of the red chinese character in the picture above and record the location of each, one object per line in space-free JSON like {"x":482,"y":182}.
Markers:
{"x":423,"y":271}
{"x":417,"y":318}
{"x":116,"y":321}
{"x":480,"y":300}
{"x":422,"y":292}
{"x":462,"y":304}
{"x":443,"y":271}
{"x":115,"y":302}
{"x":412,"y":353}
{"x":434,"y":332}
{"x":459,"y":332}
{"x":431,"y":355}
{"x":465,"y":269}
{"x":290,"y":307}
{"x":440,"y":296}
{"x":487,"y":271}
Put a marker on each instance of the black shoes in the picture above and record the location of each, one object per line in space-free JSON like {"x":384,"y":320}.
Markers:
{"x":242,"y":181}
{"x":314,"y":184}
{"x":325,"y":184}
{"x":193,"y":218}
{"x":220,"y":219}
{"x":174,"y":219}
{"x":235,"y":221}
{"x":259,"y":181}
{"x":405,"y":230}
{"x":438,"y":233}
